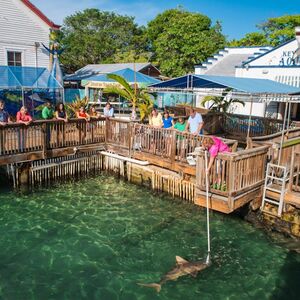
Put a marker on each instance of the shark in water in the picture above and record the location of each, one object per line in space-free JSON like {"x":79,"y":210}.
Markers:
{"x":182,"y":268}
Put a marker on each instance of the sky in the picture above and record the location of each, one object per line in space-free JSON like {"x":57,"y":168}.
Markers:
{"x":237,"y":17}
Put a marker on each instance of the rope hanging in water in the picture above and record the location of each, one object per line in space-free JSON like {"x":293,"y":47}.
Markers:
{"x":207,"y":208}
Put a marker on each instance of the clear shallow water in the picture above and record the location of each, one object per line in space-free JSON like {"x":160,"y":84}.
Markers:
{"x":97,"y":238}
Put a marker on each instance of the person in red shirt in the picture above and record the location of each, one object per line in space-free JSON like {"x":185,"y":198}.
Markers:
{"x":23,"y":117}
{"x":83,"y":126}
{"x":82,"y":114}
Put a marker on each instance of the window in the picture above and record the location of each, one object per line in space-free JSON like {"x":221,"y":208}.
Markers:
{"x":14,"y":58}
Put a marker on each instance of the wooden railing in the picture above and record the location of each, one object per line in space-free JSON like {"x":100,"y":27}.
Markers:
{"x":119,"y":132}
{"x":155,"y":141}
{"x":289,"y":146}
{"x":259,"y":126}
{"x":50,"y":134}
{"x":237,"y":172}
{"x":294,"y":181}
{"x":18,"y":138}
{"x":234,"y":173}
{"x":166,"y":143}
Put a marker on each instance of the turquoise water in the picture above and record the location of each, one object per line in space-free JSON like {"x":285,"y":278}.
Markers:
{"x":97,"y":238}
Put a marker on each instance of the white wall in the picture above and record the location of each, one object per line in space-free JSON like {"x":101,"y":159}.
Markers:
{"x":20,"y":28}
{"x":281,"y":56}
{"x":275,"y":65}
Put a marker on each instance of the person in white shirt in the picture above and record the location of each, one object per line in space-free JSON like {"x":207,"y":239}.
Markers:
{"x":195,"y":123}
{"x":108,"y":110}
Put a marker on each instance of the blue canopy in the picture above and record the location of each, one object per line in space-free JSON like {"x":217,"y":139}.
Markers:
{"x":27,"y":77}
{"x":239,"y":84}
{"x":128,"y":74}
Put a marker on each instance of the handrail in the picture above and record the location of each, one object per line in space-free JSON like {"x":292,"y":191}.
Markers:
{"x":234,"y":173}
{"x":274,"y":135}
{"x":294,"y":180}
{"x":45,"y":135}
{"x":258,"y":126}
{"x":167,"y":143}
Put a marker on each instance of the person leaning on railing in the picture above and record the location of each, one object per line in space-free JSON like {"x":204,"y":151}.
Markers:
{"x":4,"y":119}
{"x":93,"y":112}
{"x":4,"y":116}
{"x":215,"y":146}
{"x":48,"y":114}
{"x":83,"y":128}
{"x":82,"y":114}
{"x":180,"y":142}
{"x":60,"y":112}
{"x":167,"y":120}
{"x":195,"y":123}
{"x":155,"y":119}
{"x":108,"y":110}
{"x":25,"y":118}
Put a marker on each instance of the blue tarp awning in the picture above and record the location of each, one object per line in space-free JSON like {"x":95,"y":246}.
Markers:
{"x":27,"y":77}
{"x":239,"y":84}
{"x":128,"y":74}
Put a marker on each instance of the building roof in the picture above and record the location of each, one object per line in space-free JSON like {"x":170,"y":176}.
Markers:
{"x":240,"y":84}
{"x":27,"y":77}
{"x":128,"y":74}
{"x":97,"y":69}
{"x":40,"y":14}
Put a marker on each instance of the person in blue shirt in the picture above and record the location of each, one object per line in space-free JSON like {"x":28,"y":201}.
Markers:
{"x":4,"y":116}
{"x":167,"y":120}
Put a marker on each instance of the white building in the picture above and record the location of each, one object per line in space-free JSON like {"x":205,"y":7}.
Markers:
{"x":23,"y":29}
{"x":262,"y":62}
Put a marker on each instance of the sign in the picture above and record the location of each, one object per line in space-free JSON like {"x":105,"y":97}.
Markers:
{"x":288,"y":59}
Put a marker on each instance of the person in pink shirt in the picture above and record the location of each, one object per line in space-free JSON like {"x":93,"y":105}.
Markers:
{"x":215,"y":146}
{"x":25,"y":118}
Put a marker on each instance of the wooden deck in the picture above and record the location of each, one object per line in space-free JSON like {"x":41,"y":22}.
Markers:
{"x":241,"y":173}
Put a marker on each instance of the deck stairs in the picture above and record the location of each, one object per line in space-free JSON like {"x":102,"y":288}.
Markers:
{"x":275,"y":188}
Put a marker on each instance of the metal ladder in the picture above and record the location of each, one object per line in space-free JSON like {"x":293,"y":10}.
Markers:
{"x":276,"y":184}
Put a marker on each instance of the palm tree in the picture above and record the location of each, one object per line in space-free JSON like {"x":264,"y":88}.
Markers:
{"x":137,"y":97}
{"x":221,"y":104}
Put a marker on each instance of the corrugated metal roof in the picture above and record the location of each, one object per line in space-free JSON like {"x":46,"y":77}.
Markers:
{"x":91,"y":70}
{"x":129,"y":75}
{"x":240,"y":84}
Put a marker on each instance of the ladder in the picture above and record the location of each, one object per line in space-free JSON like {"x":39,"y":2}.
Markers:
{"x":274,"y":188}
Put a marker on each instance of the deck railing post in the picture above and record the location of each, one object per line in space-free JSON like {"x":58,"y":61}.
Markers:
{"x":231,"y":182}
{"x":130,"y":135}
{"x":173,"y":146}
{"x":107,"y":125}
{"x":44,"y":139}
{"x":291,"y":180}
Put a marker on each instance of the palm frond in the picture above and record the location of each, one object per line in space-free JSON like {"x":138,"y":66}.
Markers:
{"x":237,"y":101}
{"x":119,"y":91}
{"x":122,"y":81}
{"x":206,"y":99}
